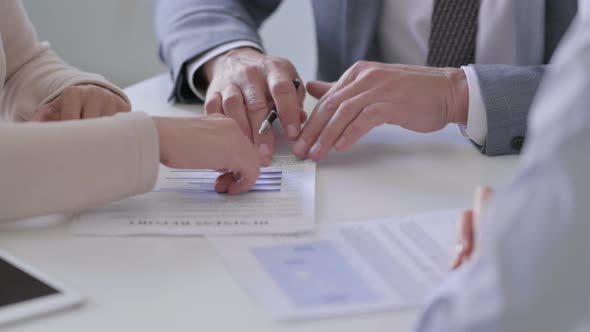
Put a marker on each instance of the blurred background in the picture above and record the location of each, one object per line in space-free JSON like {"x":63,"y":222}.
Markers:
{"x":116,"y":37}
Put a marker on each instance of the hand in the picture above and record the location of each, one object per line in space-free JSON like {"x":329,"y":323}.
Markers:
{"x":210,"y":142}
{"x":370,"y":94}
{"x":468,"y":227}
{"x":85,"y":101}
{"x":243,"y":85}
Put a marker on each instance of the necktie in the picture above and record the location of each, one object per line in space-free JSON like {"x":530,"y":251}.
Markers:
{"x":453,"y":33}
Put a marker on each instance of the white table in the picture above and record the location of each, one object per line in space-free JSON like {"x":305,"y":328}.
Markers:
{"x":180,"y":284}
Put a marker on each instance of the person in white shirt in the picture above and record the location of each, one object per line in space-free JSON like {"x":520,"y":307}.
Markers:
{"x":492,"y":52}
{"x":532,"y":267}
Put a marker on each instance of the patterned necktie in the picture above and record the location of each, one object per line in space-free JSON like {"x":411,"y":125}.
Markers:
{"x":453,"y":33}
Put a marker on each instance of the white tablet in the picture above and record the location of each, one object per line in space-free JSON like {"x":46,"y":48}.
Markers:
{"x":26,"y":292}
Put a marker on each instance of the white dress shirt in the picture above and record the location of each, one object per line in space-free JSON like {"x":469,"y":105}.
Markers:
{"x":404,"y":30}
{"x":534,"y":265}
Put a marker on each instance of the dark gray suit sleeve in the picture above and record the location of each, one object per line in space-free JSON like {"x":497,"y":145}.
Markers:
{"x":187,"y":29}
{"x":508,"y":92}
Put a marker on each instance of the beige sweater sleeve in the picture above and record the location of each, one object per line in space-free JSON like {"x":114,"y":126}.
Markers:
{"x":63,"y":166}
{"x":70,"y":166}
{"x":34,"y":75}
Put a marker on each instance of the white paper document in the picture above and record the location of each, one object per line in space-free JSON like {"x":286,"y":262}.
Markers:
{"x":343,"y":269}
{"x":184,"y":202}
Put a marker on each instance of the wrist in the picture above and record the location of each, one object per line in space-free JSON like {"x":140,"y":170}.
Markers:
{"x":458,"y":106}
{"x":161,"y":124}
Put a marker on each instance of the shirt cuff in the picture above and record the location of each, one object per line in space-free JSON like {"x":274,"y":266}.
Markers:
{"x":196,"y":64}
{"x":477,"y":122}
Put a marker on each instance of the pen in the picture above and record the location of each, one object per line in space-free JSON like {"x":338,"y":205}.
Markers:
{"x":274,"y":114}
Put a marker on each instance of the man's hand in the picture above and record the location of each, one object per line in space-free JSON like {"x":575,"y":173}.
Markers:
{"x":468,"y":227}
{"x":85,"y":101}
{"x":370,"y":94}
{"x":210,"y":142}
{"x":243,"y":85}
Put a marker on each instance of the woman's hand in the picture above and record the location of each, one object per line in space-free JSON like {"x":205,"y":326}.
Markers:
{"x":85,"y":101}
{"x":210,"y":142}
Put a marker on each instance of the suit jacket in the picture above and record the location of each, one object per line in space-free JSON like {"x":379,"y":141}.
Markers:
{"x":347,"y":32}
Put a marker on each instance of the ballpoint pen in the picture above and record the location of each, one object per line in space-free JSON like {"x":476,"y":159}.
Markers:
{"x":274,"y":114}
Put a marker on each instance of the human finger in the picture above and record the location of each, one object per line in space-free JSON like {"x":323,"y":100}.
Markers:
{"x":94,"y":104}
{"x":318,"y":89}
{"x":321,"y":115}
{"x":255,"y":92}
{"x":263,"y":142}
{"x":234,"y":107}
{"x":284,"y":94}
{"x":246,"y":179}
{"x":465,"y":238}
{"x":302,"y":116}
{"x":71,"y":104}
{"x":213,"y":103}
{"x":370,"y":117}
{"x":348,"y":111}
{"x":119,"y":105}
{"x":223,"y":182}
{"x":44,"y":113}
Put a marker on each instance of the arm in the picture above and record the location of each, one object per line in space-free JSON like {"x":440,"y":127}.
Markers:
{"x":239,"y":81}
{"x":532,"y":270}
{"x":34,"y":74}
{"x":74,"y":165}
{"x":533,"y":267}
{"x":493,"y":102}
{"x":187,"y":29}
{"x":69,"y":166}
{"x":507,"y":93}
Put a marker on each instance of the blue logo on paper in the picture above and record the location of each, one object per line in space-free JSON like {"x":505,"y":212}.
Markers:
{"x":314,"y":274}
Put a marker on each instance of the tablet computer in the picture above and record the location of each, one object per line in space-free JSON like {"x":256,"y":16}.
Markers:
{"x":26,"y":292}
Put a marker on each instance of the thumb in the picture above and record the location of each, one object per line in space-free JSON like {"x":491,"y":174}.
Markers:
{"x":318,"y":88}
{"x":246,"y":171}
{"x":224,"y":181}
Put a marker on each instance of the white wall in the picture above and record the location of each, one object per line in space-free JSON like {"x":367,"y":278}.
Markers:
{"x":116,"y":37}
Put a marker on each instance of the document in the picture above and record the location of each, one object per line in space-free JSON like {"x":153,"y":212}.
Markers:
{"x":184,"y":202}
{"x":343,"y":269}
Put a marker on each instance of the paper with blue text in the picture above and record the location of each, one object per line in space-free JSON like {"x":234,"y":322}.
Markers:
{"x":184,"y":202}
{"x":343,"y":269}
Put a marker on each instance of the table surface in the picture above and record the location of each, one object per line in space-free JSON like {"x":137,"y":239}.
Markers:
{"x":179,"y":283}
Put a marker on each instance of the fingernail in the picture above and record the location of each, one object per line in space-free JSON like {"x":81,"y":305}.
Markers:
{"x":263,"y":150}
{"x":316,"y":148}
{"x":300,"y":147}
{"x":292,"y":131}
{"x":341,"y":143}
